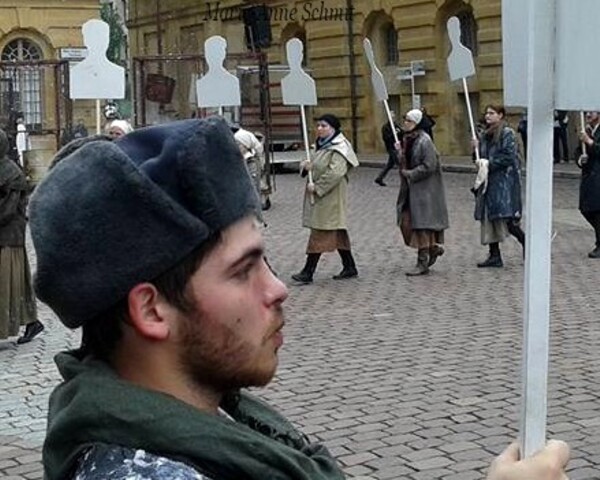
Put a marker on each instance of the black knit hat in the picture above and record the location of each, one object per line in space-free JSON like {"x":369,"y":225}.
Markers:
{"x":332,"y":120}
{"x":114,"y":214}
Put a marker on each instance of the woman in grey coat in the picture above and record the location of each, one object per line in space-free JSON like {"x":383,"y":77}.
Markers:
{"x":422,"y":214}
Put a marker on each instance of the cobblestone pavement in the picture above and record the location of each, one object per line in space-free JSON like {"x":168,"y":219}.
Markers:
{"x":402,"y":378}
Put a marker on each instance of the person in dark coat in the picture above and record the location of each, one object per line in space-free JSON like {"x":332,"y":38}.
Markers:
{"x":17,"y":302}
{"x":498,"y":203}
{"x":422,"y":214}
{"x":428,"y":123}
{"x":589,"y":190}
{"x":387,"y":136}
{"x":561,"y":119}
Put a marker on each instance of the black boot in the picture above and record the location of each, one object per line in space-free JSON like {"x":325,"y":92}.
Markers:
{"x":435,"y":252}
{"x":494,"y":259}
{"x":595,"y":253}
{"x":515,"y":230}
{"x":306,"y":275}
{"x":422,"y":266}
{"x":32,"y":330}
{"x":348,"y":266}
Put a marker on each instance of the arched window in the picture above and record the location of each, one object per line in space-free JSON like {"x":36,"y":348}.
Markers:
{"x":468,"y":31}
{"x":24,"y":82}
{"x":391,"y":45}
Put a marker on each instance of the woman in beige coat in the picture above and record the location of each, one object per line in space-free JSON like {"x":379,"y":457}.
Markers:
{"x":325,"y":200}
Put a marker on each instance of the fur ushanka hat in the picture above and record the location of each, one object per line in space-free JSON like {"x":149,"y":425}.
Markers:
{"x":114,"y":214}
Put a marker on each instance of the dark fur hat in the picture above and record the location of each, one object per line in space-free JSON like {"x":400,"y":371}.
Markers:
{"x":113,"y":214}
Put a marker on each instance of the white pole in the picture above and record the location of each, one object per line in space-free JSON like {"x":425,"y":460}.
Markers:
{"x":470,"y":112}
{"x":98,"y":115}
{"x":306,"y":148}
{"x":412,"y":87}
{"x":582,"y":128}
{"x":542,"y":20}
{"x":391,"y":120}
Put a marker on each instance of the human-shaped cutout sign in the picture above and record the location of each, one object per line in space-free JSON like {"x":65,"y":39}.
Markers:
{"x":96,"y":77}
{"x":218,"y":87}
{"x":297,"y":87}
{"x":377,"y":79}
{"x":378,"y":83}
{"x":461,"y":66}
{"x":576,"y":75}
{"x":460,"y":60}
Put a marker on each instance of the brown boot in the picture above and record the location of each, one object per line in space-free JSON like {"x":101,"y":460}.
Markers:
{"x":422,"y":266}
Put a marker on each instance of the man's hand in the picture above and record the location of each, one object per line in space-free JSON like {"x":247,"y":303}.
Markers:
{"x":585,"y":138}
{"x":474,"y":143}
{"x":548,"y":464}
{"x":310,"y":187}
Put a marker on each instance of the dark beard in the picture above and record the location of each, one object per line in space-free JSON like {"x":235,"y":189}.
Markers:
{"x":218,"y":358}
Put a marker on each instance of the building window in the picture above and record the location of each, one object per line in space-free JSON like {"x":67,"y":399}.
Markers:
{"x":391,"y":45}
{"x":24,"y":81}
{"x":468,"y":31}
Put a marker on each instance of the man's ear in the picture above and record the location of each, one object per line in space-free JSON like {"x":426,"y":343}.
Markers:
{"x":148,"y":312}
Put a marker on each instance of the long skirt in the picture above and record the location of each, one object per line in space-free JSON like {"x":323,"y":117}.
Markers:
{"x":321,"y":241}
{"x":17,"y":302}
{"x":419,"y":238}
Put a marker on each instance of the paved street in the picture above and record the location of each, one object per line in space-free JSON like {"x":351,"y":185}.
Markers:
{"x":402,"y":378}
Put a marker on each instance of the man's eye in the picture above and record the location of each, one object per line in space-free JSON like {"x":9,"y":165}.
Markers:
{"x":244,"y":271}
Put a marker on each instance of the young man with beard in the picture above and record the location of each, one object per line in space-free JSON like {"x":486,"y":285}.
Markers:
{"x":151,"y":245}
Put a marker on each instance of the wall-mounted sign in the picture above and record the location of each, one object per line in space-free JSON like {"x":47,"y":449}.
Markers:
{"x":73,"y":53}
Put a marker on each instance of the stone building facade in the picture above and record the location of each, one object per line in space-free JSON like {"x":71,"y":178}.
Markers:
{"x":401,"y":31}
{"x":46,"y":31}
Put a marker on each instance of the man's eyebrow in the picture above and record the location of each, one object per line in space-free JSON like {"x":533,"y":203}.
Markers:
{"x":253,"y":253}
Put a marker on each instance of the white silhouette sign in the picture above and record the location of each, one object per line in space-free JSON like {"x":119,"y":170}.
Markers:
{"x":96,"y":77}
{"x":378,"y":83}
{"x":297,"y":87}
{"x":218,"y":87}
{"x":548,"y":64}
{"x":461,"y":66}
{"x":515,"y":38}
{"x":460,"y":60}
{"x":377,"y":79}
{"x":576,"y":74}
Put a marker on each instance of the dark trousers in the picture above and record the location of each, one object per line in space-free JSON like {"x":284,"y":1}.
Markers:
{"x":524,"y":140}
{"x":593,"y":219}
{"x":560,"y":139}
{"x":391,"y":163}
